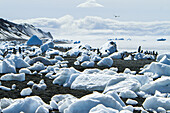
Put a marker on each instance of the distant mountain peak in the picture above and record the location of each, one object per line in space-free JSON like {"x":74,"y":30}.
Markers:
{"x":13,"y":31}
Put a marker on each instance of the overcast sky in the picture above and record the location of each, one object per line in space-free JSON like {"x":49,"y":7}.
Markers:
{"x":128,"y":10}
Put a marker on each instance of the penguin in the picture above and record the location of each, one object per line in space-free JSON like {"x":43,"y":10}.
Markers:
{"x":139,"y":49}
{"x":14,"y":51}
{"x":20,"y":50}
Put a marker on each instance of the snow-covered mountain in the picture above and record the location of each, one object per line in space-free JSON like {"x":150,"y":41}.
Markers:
{"x":13,"y":31}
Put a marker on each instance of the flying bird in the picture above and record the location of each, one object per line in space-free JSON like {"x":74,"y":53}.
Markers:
{"x":116,"y":16}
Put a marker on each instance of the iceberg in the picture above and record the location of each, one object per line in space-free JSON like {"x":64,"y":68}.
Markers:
{"x":34,"y":40}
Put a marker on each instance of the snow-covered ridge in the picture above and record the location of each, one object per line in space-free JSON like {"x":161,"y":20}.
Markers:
{"x":92,"y":25}
{"x":10,"y":30}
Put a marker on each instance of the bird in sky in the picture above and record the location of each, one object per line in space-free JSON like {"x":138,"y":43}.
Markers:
{"x":116,"y":16}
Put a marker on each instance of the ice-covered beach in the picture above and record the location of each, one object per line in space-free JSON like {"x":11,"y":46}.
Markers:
{"x":39,"y":76}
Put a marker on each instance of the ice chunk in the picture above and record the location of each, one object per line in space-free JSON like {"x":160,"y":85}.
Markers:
{"x":127,"y":70}
{"x":91,"y":82}
{"x":158,"y":68}
{"x":96,"y":58}
{"x":53,"y":104}
{"x":5,"y":88}
{"x":50,"y":44}
{"x":25,"y":70}
{"x":38,"y":66}
{"x":105,"y":62}
{"x":129,"y":107}
{"x":25,"y":106}
{"x":122,"y":84}
{"x":30,"y":83}
{"x":5,"y":102}
{"x":8,"y":66}
{"x":43,"y":60}
{"x":161,"y":84}
{"x":139,"y":56}
{"x":35,"y":72}
{"x":70,"y":80}
{"x":42,"y":109}
{"x":53,"y":52}
{"x":27,"y":58}
{"x":44,"y":48}
{"x":63,"y":76}
{"x":160,"y":56}
{"x":73,"y":52}
{"x":131,"y":102}
{"x":128,"y":58}
{"x":116,"y":55}
{"x":165,"y":60}
{"x":128,"y":94}
{"x":84,"y":104}
{"x":143,"y":79}
{"x":100,"y":108}
{"x":76,"y":63}
{"x":49,"y":74}
{"x":116,"y":97}
{"x":60,"y":97}
{"x":108,"y":72}
{"x":109,"y":47}
{"x":87,"y":64}
{"x":39,"y":86}
{"x":91,"y":71}
{"x":133,"y":72}
{"x":26,"y":92}
{"x":155,"y":102}
{"x":19,"y":62}
{"x":59,"y":58}
{"x":161,"y":110}
{"x":62,"y":105}
{"x":13,"y":86}
{"x":63,"y":100}
{"x":51,"y":68}
{"x":159,"y":94}
{"x":141,"y":93}
{"x":139,"y":109}
{"x":34,"y":40}
{"x":83,"y":58}
{"x":114,"y":69}
{"x":10,"y":77}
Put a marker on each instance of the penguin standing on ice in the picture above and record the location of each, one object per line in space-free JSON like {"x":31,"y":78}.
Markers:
{"x":20,"y":50}
{"x":139,"y":49}
{"x":98,"y":52}
{"x":14,"y":51}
